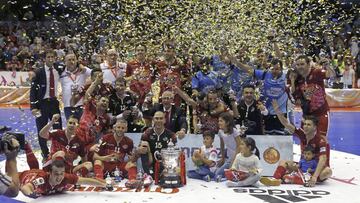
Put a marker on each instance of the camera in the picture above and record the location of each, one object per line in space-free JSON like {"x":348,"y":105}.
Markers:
{"x":7,"y":136}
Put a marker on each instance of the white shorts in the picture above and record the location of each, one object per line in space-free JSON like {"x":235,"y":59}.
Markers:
{"x":5,"y":182}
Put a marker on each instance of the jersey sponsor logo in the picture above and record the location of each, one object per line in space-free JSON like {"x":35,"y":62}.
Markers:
{"x":283,"y":196}
{"x":38,"y":181}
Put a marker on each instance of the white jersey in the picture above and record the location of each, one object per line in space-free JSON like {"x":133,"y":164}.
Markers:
{"x":245,"y":164}
{"x":111,"y":73}
{"x":210,"y":154}
{"x":69,"y":81}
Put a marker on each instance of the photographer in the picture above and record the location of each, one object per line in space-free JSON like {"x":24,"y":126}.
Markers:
{"x":9,"y":182}
{"x":122,"y":104}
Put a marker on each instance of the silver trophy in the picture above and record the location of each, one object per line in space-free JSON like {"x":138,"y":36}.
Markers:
{"x":173,"y":163}
{"x":242,"y":129}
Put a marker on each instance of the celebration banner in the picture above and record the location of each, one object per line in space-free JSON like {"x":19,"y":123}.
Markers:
{"x":9,"y":78}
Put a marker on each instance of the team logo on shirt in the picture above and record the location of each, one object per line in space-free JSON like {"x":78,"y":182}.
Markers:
{"x":97,"y":122}
{"x":38,"y":181}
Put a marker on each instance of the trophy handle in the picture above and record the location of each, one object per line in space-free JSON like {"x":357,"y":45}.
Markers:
{"x":156,"y":172}
{"x":182,"y":168}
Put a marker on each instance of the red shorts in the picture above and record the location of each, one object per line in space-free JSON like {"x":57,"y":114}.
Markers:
{"x":323,"y":125}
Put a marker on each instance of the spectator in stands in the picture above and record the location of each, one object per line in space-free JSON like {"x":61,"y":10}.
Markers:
{"x":349,"y":73}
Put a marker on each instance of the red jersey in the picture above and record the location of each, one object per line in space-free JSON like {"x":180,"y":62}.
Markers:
{"x":104,"y":90}
{"x":141,"y":88}
{"x":108,"y":145}
{"x":73,"y":147}
{"x":40,"y":181}
{"x":135,"y":67}
{"x":208,"y":122}
{"x":312,"y":92}
{"x":319,"y":143}
{"x":91,"y":126}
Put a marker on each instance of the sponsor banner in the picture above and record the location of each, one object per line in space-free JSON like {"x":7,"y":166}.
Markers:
{"x":9,"y":78}
{"x":272,"y":149}
{"x":282,"y":196}
{"x":156,"y":189}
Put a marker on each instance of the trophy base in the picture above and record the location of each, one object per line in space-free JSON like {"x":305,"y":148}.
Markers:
{"x":170,"y":182}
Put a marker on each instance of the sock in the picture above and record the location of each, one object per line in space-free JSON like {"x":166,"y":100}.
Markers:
{"x":84,"y":171}
{"x":279,"y":172}
{"x":293,"y":179}
{"x":98,"y":170}
{"x":132,"y":173}
{"x":30,"y":157}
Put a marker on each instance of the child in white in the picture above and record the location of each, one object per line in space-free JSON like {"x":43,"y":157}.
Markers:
{"x":245,"y":170}
{"x":205,"y":159}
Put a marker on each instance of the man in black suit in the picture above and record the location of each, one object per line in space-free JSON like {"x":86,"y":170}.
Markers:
{"x":175,"y":118}
{"x":43,"y":101}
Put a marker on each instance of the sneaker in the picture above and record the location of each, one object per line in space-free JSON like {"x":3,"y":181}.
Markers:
{"x":207,"y":178}
{"x":148,"y":180}
{"x":133,"y":184}
{"x":268,"y":181}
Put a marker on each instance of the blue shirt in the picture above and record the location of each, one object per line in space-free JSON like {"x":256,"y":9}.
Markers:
{"x":217,"y":64}
{"x":204,"y":82}
{"x":230,"y":76}
{"x":273,"y":89}
{"x":305,"y":165}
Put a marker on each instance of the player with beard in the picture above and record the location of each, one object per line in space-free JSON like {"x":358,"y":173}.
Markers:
{"x":206,"y":110}
{"x":308,"y":135}
{"x":123,"y":104}
{"x":116,"y":153}
{"x":308,"y":89}
{"x":94,"y":121}
{"x":66,"y":141}
{"x":205,"y":79}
